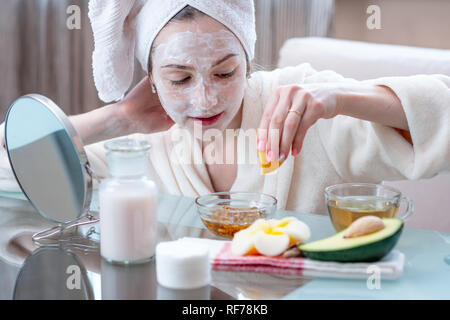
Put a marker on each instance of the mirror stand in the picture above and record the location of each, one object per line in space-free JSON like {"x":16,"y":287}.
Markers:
{"x":68,"y":233}
{"x":61,"y":233}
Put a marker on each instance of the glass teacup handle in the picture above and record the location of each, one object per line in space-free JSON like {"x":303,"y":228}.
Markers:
{"x":409,"y":209}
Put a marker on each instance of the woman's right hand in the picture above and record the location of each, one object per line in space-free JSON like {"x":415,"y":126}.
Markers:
{"x":143,"y":111}
{"x":139,"y":112}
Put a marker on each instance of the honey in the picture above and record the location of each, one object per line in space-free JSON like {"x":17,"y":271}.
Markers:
{"x":226,"y":221}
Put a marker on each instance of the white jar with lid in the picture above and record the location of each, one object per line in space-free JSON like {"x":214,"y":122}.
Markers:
{"x":127,"y":204}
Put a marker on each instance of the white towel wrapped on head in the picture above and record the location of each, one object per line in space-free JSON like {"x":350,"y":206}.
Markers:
{"x":124,"y":29}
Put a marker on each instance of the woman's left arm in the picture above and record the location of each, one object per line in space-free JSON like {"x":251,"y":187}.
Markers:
{"x":376,"y":103}
{"x":416,"y":107}
{"x":293,"y":109}
{"x":372,"y":103}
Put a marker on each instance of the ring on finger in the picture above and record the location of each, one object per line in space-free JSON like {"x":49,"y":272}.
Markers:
{"x":296,"y":111}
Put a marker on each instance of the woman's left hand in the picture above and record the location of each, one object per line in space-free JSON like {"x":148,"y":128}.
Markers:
{"x":291,"y":110}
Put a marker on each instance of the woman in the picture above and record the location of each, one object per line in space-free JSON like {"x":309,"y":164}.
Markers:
{"x":326,"y":129}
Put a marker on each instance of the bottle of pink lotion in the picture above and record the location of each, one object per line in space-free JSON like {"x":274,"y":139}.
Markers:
{"x":127,"y":204}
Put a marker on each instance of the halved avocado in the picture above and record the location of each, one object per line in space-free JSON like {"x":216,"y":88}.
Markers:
{"x":370,"y":247}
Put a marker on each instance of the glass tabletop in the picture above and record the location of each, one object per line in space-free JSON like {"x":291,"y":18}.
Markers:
{"x":31,"y":272}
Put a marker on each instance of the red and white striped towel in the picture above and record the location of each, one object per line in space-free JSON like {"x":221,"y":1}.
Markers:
{"x":390,"y":267}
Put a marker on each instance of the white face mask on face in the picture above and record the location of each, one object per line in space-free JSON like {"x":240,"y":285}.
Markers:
{"x":194,"y":80}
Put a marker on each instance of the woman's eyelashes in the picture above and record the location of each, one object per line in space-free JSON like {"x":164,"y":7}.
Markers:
{"x":180,"y":82}
{"x":186,"y":79}
{"x":226,"y":75}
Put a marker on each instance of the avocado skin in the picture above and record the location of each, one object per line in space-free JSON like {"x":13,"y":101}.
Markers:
{"x":366,"y":253}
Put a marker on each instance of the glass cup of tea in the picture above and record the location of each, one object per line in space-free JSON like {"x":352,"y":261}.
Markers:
{"x":349,"y":201}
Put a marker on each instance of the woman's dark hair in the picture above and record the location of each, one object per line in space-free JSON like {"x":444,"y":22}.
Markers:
{"x":188,"y":13}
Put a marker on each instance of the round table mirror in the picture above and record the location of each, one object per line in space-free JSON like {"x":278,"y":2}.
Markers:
{"x":49,"y":162}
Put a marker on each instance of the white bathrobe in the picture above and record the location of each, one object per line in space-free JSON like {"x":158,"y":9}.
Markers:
{"x":342,"y":149}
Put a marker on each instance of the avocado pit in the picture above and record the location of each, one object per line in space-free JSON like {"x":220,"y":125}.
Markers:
{"x":363,"y":226}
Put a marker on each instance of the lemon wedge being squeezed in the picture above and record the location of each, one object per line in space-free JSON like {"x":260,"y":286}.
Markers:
{"x":267,"y":166}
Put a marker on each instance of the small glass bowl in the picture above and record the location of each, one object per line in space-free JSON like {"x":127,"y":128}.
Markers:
{"x":225,"y":213}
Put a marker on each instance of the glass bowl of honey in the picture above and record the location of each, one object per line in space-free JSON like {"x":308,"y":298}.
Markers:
{"x":225,"y":213}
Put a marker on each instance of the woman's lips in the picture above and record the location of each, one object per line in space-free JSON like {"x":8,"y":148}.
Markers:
{"x":209,"y":121}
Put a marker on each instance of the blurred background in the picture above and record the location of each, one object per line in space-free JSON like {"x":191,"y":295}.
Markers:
{"x":39,"y":54}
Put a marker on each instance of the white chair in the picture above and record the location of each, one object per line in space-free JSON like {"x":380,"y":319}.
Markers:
{"x":362,"y":60}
